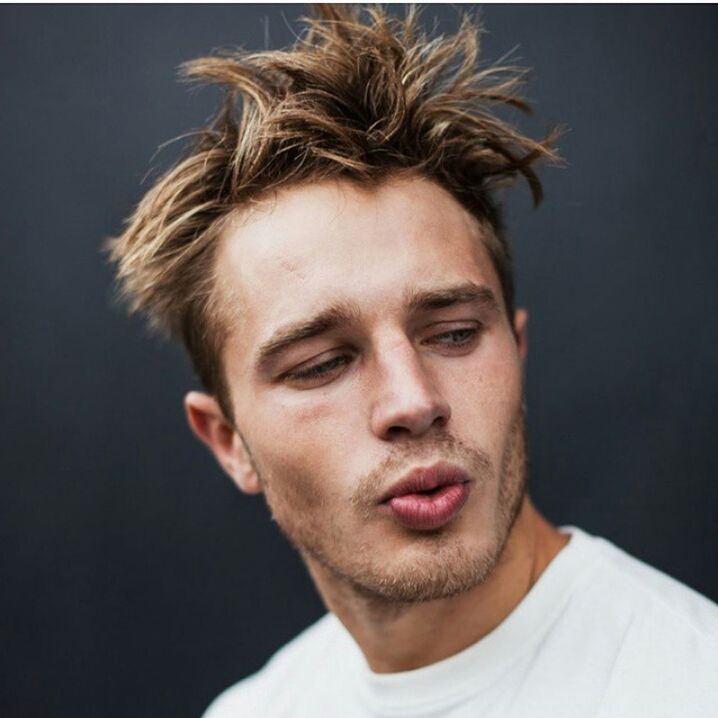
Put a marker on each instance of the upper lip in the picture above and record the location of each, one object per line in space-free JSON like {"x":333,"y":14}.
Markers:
{"x":426,"y":479}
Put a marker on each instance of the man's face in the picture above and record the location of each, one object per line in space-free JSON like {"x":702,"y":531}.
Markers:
{"x":371,"y":341}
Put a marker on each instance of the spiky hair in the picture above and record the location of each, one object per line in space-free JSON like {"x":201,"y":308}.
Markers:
{"x":361,"y":95}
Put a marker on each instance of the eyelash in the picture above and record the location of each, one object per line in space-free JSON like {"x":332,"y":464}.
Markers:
{"x":472,"y":332}
{"x":319,"y":371}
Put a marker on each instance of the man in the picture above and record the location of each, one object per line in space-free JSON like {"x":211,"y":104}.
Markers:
{"x":333,"y":258}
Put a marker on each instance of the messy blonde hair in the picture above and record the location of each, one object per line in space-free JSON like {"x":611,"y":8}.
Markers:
{"x":361,"y":95}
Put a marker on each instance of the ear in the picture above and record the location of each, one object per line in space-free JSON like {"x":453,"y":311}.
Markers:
{"x":521,"y":319}
{"x":209,"y":425}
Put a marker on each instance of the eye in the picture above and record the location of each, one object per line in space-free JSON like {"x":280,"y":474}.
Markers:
{"x":316,"y":373}
{"x":458,"y":338}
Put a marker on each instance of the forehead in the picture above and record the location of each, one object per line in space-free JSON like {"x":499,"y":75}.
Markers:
{"x":334,"y":242}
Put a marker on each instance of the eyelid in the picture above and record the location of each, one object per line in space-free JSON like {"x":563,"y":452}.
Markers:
{"x":437,"y":339}
{"x":457,"y":320}
{"x":306,"y":367}
{"x":453,"y":325}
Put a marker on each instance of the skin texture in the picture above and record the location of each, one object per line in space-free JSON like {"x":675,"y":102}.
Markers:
{"x":324,"y":427}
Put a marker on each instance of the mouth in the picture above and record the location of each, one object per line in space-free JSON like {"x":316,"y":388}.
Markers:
{"x":427,"y":498}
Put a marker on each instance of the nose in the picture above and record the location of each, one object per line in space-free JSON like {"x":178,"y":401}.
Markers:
{"x":407,"y":401}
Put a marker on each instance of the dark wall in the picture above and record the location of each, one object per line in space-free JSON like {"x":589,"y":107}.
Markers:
{"x":136,"y":580}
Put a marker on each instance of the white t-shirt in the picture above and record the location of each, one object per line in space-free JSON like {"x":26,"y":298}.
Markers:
{"x":600,"y":634}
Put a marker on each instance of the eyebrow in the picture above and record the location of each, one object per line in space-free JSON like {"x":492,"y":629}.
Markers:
{"x":464,"y":293}
{"x":341,"y":314}
{"x":335,"y":316}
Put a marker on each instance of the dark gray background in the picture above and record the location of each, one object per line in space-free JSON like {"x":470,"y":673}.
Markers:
{"x":136,"y":580}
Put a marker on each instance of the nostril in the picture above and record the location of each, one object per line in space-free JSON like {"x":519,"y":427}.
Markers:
{"x":398,"y":416}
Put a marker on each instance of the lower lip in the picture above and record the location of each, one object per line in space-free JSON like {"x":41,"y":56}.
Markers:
{"x":426,"y":512}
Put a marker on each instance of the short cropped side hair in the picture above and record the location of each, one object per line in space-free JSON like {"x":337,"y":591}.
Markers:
{"x":361,"y":95}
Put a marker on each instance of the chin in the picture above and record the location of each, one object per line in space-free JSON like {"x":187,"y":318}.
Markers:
{"x":434,"y":565}
{"x":449,"y":572}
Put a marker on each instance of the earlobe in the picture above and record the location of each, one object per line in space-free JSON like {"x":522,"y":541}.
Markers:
{"x":245,"y":476}
{"x":209,"y":425}
{"x":521,"y":318}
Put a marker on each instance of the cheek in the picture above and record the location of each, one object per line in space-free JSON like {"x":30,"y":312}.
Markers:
{"x":299,"y":447}
{"x":323,"y":416}
{"x":485,"y":397}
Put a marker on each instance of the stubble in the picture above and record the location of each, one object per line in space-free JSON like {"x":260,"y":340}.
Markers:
{"x":439,"y":564}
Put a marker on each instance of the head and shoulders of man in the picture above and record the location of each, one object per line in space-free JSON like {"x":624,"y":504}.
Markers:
{"x":333,"y":258}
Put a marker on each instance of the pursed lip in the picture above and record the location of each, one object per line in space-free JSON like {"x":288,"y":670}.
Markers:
{"x":424,"y":479}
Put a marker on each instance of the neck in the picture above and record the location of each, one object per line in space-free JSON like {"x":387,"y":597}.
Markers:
{"x":401,"y":637}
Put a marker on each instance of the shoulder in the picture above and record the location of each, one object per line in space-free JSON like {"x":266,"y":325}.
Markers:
{"x":660,"y":636}
{"x":654,"y":595}
{"x":291,"y":665}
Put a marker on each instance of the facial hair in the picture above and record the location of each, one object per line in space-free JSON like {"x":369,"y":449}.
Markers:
{"x":440,"y":565}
